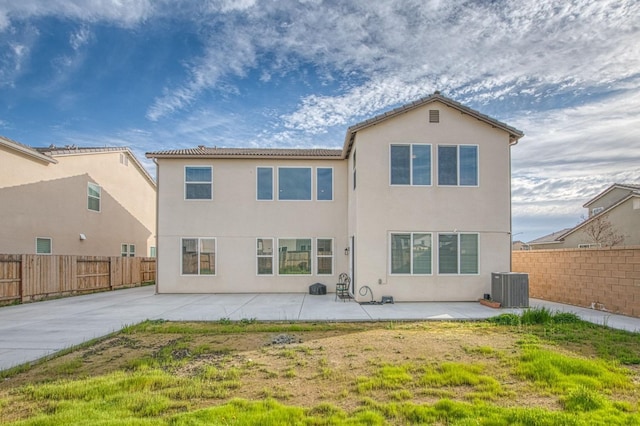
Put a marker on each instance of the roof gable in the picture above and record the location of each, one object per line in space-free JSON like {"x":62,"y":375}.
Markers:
{"x":623,"y":186}
{"x":514,"y":134}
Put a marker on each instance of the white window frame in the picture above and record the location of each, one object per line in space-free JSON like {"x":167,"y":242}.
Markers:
{"x":274,"y":265}
{"x":411,"y":234}
{"x":273,"y":184}
{"x":127,"y":250}
{"x":311,"y":182}
{"x":596,"y":210}
{"x":458,"y":234}
{"x":153,"y":251}
{"x":215,"y":263}
{"x":411,"y":145}
{"x":50,"y":245}
{"x":97,"y":188}
{"x":184,"y":178}
{"x":311,"y":253}
{"x":332,"y":184}
{"x":458,"y":165}
{"x":324,"y":256}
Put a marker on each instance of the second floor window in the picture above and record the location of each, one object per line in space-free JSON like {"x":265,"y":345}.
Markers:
{"x":265,"y":183}
{"x":294,"y":183}
{"x":324,"y":184}
{"x":458,"y":165}
{"x":93,"y":197}
{"x":198,"y":183}
{"x":410,"y":164}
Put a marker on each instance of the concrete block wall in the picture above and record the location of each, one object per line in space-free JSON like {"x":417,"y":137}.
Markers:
{"x":604,"y":279}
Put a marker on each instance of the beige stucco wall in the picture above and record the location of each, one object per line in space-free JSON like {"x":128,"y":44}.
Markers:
{"x":40,"y":199}
{"x":235,"y":218}
{"x":377,"y":208}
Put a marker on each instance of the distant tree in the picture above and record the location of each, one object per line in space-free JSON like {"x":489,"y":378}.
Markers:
{"x":600,"y":231}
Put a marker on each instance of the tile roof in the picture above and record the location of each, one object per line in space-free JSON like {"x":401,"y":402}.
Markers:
{"x":215,"y":152}
{"x":72,"y":149}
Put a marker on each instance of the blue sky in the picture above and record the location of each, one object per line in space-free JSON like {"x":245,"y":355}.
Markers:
{"x":164,"y":74}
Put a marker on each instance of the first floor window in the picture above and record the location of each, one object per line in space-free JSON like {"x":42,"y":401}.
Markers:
{"x":411,"y":253}
{"x":294,"y":256}
{"x":127,"y":250}
{"x":93,"y":197}
{"x":458,"y":254}
{"x":458,"y":165}
{"x":264,"y":252}
{"x":198,"y":183}
{"x":198,"y":256}
{"x":152,"y":251}
{"x":324,"y":253}
{"x":43,"y":245}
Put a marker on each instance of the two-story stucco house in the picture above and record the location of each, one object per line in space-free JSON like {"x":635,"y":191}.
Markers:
{"x":416,"y":205}
{"x":75,"y":201}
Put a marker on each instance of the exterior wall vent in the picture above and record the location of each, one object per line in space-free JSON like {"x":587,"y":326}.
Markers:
{"x":511,"y":289}
{"x":434,"y":116}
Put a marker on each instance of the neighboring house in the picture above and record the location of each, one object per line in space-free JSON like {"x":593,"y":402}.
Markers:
{"x":81,"y":201}
{"x":547,"y":241}
{"x":416,"y":205}
{"x":519,"y":245}
{"x":613,"y":219}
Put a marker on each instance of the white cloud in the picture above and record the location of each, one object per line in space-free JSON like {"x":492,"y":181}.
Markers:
{"x":80,"y":38}
{"x":120,"y":12}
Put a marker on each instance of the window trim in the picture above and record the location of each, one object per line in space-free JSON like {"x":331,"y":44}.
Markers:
{"x":318,"y":180}
{"x":258,"y":256}
{"x":50,"y":245}
{"x":273,"y":184}
{"x":127,"y":252}
{"x":411,"y":273}
{"x":310,"y":168}
{"x":311,"y":253}
{"x":458,"y":273}
{"x":215,"y":263}
{"x":332,"y":256}
{"x":411,"y":158}
{"x":99,"y":197}
{"x":458,"y":165}
{"x":184,"y":179}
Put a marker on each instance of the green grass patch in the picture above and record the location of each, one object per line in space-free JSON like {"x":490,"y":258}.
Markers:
{"x":560,"y":373}
{"x":388,"y":377}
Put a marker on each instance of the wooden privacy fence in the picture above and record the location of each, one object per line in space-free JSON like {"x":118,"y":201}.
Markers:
{"x":605,"y":279}
{"x":29,"y":277}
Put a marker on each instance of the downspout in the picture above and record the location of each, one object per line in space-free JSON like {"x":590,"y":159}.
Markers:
{"x":511,"y":210}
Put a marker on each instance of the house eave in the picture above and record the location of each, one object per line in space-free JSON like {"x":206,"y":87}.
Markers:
{"x":27,"y":151}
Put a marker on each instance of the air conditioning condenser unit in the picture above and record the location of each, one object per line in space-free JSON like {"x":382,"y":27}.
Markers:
{"x":511,"y":289}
